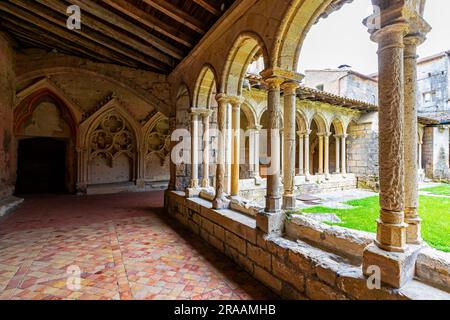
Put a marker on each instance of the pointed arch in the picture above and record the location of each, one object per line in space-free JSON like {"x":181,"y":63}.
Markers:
{"x":321,"y":122}
{"x":246,"y":47}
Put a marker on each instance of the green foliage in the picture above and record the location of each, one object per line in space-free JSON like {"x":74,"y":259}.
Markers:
{"x":434,"y":212}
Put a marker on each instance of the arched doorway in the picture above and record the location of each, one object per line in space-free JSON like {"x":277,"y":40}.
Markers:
{"x":46,"y":137}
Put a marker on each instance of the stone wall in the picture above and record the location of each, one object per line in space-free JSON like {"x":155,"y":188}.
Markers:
{"x":7,"y":83}
{"x":435,"y":152}
{"x":293,"y":269}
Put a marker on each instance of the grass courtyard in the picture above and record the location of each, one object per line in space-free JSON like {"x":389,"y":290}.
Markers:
{"x":434,"y":212}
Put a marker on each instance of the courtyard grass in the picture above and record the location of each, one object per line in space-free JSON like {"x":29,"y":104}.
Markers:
{"x":434,"y":212}
{"x":443,"y":190}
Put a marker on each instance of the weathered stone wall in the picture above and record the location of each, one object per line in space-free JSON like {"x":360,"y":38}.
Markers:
{"x":433,"y":78}
{"x":362,"y":149}
{"x":96,"y":97}
{"x":435,"y":152}
{"x":291,"y":268}
{"x":7,"y":83}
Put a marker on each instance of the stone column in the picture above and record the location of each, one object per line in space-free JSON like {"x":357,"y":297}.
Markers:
{"x":337,"y":147}
{"x":273,"y":203}
{"x":307,"y":172}
{"x":220,"y":201}
{"x":289,"y":89}
{"x":206,"y":115}
{"x":228,"y":132}
{"x":391,"y":231}
{"x":320,"y":170}
{"x":236,"y":129}
{"x":344,"y":154}
{"x":419,"y":161}
{"x":172,"y":166}
{"x":326,"y":138}
{"x":254,"y":151}
{"x":410,"y":125}
{"x":301,"y":164}
{"x":194,"y":153}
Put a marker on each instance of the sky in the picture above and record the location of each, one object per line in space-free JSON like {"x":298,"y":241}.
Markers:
{"x":343,"y":39}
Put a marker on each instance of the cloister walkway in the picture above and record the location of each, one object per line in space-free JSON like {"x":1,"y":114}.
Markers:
{"x":124,"y":246}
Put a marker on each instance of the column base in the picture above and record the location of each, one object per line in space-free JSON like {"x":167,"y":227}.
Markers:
{"x":270,"y":223}
{"x":391,"y":237}
{"x":289,"y":202}
{"x":258,"y":180}
{"x":192,"y":192}
{"x":396,"y":268}
{"x":273,"y":204}
{"x":413,"y":230}
{"x":221,"y":202}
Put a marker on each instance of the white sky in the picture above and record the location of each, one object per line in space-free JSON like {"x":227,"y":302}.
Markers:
{"x":343,"y":39}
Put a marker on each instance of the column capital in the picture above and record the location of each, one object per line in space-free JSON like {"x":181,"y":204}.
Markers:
{"x":255,"y":127}
{"x":236,"y":101}
{"x":289,"y":87}
{"x":277,"y":76}
{"x":222,"y":97}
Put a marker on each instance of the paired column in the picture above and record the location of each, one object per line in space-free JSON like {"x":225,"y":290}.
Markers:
{"x":419,"y":160}
{"x":410,"y":125}
{"x":273,"y":203}
{"x":194,"y":149}
{"x":220,"y":201}
{"x":206,"y":115}
{"x":254,"y":151}
{"x":326,"y":137}
{"x":344,"y":154}
{"x":228,"y":140}
{"x":307,"y":165}
{"x":173,"y":166}
{"x":236,"y":129}
{"x":337,"y":157}
{"x":320,"y":169}
{"x":391,"y":231}
{"x":301,"y":148}
{"x":289,"y":89}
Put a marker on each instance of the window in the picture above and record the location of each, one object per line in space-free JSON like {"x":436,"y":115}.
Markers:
{"x":428,"y":96}
{"x":320,"y":87}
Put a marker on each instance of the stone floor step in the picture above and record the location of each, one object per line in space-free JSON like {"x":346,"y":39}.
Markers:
{"x":8,"y":204}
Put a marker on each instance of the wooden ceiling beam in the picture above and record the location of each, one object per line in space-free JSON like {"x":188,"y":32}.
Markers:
{"x":116,"y":20}
{"x":209,"y":7}
{"x":41,"y":37}
{"x":150,"y":21}
{"x":177,"y":14}
{"x":98,"y":40}
{"x":98,"y":26}
{"x":74,"y":37}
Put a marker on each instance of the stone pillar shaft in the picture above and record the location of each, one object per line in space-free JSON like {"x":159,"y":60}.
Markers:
{"x":173,"y":166}
{"x":273,"y":203}
{"x":194,"y":150}
{"x":289,"y":89}
{"x":301,"y":146}
{"x":206,"y":154}
{"x":344,"y":154}
{"x":236,"y":127}
{"x":228,"y":132}
{"x":327,"y":154}
{"x":220,"y":201}
{"x":420,"y":156}
{"x":320,"y":169}
{"x":307,"y":165}
{"x":391,"y":231}
{"x":337,"y":147}
{"x":411,"y":140}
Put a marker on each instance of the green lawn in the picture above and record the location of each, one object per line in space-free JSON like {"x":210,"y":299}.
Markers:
{"x":439,"y":190}
{"x":435,"y":214}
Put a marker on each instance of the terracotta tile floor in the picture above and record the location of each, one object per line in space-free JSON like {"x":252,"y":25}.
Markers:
{"x":124,"y":246}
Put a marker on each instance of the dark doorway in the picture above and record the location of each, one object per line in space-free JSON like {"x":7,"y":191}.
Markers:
{"x":41,"y":166}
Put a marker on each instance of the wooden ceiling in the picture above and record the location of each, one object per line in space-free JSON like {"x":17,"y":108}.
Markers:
{"x":152,"y":35}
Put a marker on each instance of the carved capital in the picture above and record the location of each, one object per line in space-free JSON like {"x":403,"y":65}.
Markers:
{"x":290,"y":87}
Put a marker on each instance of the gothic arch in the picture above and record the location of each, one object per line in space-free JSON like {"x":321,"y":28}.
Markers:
{"x":321,"y":122}
{"x":250,"y":113}
{"x":302,"y":121}
{"x":339,"y":125}
{"x":246,"y":46}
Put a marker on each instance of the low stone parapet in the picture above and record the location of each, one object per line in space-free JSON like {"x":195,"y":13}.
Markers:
{"x":292,"y":268}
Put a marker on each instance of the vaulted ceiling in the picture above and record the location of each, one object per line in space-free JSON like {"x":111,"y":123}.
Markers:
{"x":152,"y":35}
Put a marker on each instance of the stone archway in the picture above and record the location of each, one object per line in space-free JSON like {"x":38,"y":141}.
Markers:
{"x":44,"y":118}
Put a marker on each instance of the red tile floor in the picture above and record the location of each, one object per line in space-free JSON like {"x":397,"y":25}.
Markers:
{"x":123,"y":246}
